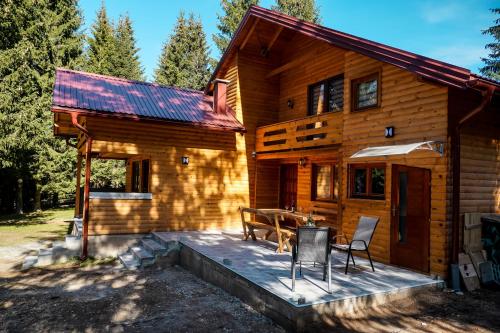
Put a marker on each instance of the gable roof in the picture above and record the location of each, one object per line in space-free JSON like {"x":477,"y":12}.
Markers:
{"x":428,"y":68}
{"x":94,"y":94}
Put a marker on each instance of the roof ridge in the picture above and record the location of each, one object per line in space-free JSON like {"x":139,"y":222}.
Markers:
{"x":115,"y":78}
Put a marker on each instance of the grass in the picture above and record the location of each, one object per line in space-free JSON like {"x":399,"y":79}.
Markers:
{"x":25,"y":228}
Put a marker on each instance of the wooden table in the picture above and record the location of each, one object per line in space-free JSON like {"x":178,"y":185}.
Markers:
{"x":277,"y":215}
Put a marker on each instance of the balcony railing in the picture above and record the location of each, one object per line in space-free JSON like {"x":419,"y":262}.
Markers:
{"x":312,"y":131}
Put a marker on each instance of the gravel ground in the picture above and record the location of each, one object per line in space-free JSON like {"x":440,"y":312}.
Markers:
{"x":105,"y":298}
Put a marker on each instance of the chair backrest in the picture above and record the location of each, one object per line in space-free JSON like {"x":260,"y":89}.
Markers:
{"x":313,"y":244}
{"x":365,"y":229}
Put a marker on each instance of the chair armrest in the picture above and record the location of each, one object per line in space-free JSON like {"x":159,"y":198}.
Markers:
{"x":294,"y":252}
{"x":341,"y":235}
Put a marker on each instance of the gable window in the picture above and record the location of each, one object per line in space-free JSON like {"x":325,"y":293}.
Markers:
{"x":367,"y":181}
{"x":366,"y":92}
{"x":140,"y":176}
{"x":324,"y":182}
{"x":326,"y":96}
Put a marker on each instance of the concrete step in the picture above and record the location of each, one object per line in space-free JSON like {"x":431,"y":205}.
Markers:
{"x":45,"y":257}
{"x":129,"y":261}
{"x":73,"y":242}
{"x":153,"y":247}
{"x":144,"y":257}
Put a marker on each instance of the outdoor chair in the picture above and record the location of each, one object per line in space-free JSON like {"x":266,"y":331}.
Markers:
{"x":360,"y":241}
{"x":313,"y":245}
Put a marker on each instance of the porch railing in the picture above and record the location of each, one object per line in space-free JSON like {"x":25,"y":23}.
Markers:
{"x":313,"y":131}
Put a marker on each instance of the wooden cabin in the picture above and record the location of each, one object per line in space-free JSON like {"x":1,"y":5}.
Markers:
{"x":300,"y":115}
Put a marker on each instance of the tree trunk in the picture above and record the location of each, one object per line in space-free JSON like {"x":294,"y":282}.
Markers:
{"x":38,"y":196}
{"x":19,"y":203}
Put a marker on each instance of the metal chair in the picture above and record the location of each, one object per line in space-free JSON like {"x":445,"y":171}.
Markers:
{"x":313,"y":245}
{"x":360,"y":241}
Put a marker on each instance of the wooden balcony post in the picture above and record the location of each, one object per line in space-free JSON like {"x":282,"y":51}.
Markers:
{"x":86,"y":193}
{"x":78,"y":181}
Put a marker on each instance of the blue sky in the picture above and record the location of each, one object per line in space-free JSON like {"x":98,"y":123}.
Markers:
{"x":441,"y":29}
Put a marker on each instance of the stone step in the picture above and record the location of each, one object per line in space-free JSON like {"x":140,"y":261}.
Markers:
{"x":129,"y":261}
{"x":144,"y":257}
{"x":153,"y":247}
{"x":73,"y":242}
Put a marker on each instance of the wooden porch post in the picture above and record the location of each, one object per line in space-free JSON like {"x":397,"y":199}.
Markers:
{"x":86,"y":193}
{"x":78,"y":181}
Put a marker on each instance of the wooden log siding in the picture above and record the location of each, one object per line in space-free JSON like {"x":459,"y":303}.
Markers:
{"x":479,"y":174}
{"x":418,"y":112}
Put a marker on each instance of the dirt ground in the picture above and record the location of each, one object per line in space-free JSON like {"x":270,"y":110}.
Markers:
{"x":104,"y":298}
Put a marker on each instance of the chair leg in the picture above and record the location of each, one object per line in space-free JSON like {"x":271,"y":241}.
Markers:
{"x":370,"y":258}
{"x":293,"y":276}
{"x":329,"y":274}
{"x":300,"y":268}
{"x":347,"y":261}
{"x":352,"y":258}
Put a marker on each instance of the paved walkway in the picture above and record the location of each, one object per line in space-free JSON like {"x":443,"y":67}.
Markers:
{"x":259,"y":263}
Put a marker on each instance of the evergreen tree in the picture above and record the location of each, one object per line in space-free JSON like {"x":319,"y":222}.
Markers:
{"x":101,"y":53}
{"x":127,"y":64}
{"x":35,"y":38}
{"x":184,"y":61}
{"x":234,"y":10}
{"x":306,"y":10}
{"x":492,"y":67}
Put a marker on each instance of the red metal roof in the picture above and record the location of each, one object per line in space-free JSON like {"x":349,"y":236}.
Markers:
{"x":429,"y":68}
{"x":106,"y":95}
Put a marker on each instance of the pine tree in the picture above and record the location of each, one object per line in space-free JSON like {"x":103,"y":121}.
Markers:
{"x":101,"y":54}
{"x":492,"y":67}
{"x":37,"y":38}
{"x":234,"y":10}
{"x":306,"y":10}
{"x":184,"y":61}
{"x":127,"y":64}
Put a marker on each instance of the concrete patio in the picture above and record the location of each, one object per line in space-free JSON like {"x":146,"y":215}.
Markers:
{"x":261,"y":277}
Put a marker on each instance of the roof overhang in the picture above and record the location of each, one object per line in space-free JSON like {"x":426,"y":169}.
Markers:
{"x":427,"y":68}
{"x":434,"y":146}
{"x":64,"y":127}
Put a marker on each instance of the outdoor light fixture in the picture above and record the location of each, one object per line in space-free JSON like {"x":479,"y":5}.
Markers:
{"x":302,"y":162}
{"x":289,"y":103}
{"x":185,"y":160}
{"x":254,"y":154}
{"x":389,"y":132}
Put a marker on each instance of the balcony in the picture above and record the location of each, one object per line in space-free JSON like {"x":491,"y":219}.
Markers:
{"x":313,"y":131}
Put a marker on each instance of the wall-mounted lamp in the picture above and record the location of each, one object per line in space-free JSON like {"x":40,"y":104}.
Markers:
{"x":389,"y":132}
{"x":289,"y":103}
{"x":254,"y":154}
{"x":302,"y":162}
{"x":185,"y":160}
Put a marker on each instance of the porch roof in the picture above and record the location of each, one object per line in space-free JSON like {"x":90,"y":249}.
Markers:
{"x":99,"y":95}
{"x":399,"y":149}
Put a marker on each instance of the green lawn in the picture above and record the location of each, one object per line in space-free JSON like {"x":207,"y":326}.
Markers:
{"x":45,"y":225}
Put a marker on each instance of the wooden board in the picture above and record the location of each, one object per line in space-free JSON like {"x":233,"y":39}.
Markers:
{"x":468,"y":273}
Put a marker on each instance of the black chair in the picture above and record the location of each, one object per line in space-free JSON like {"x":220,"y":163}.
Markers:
{"x":313,"y":245}
{"x":360,"y":241}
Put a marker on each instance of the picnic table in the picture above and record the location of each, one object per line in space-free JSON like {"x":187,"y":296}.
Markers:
{"x":271,"y":219}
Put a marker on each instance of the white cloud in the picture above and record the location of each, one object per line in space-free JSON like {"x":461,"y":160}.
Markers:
{"x":461,"y":55}
{"x":436,"y":13}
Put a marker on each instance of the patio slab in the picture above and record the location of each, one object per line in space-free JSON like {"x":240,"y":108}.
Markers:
{"x":254,"y":272}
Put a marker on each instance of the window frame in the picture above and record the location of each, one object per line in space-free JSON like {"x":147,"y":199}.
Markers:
{"x":141,"y":188}
{"x":326,"y":95}
{"x":314,"y":185}
{"x":355,"y":83}
{"x":368,"y":167}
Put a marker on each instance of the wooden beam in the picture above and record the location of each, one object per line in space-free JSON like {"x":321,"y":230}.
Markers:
{"x":86,"y":194}
{"x":297,"y":61}
{"x":273,"y":40}
{"x":78,"y":180}
{"x":252,"y":28}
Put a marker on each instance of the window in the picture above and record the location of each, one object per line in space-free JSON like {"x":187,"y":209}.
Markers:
{"x":324,"y":182}
{"x":367,"y":181}
{"x":140,"y":176}
{"x":326,"y":96}
{"x":366,"y":92}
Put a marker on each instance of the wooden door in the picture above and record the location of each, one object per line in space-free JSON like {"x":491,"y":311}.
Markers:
{"x":410,"y":221}
{"x":288,"y":186}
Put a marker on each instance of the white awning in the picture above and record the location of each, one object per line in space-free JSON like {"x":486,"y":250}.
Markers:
{"x":400,"y":149}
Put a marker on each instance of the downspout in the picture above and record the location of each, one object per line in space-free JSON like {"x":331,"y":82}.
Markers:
{"x":86,"y":189}
{"x":486,"y":100}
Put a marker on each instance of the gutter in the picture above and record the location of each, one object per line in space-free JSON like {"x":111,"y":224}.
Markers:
{"x":455,"y":231}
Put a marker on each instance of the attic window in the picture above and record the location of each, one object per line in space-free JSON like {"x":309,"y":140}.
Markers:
{"x":366,"y":92}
